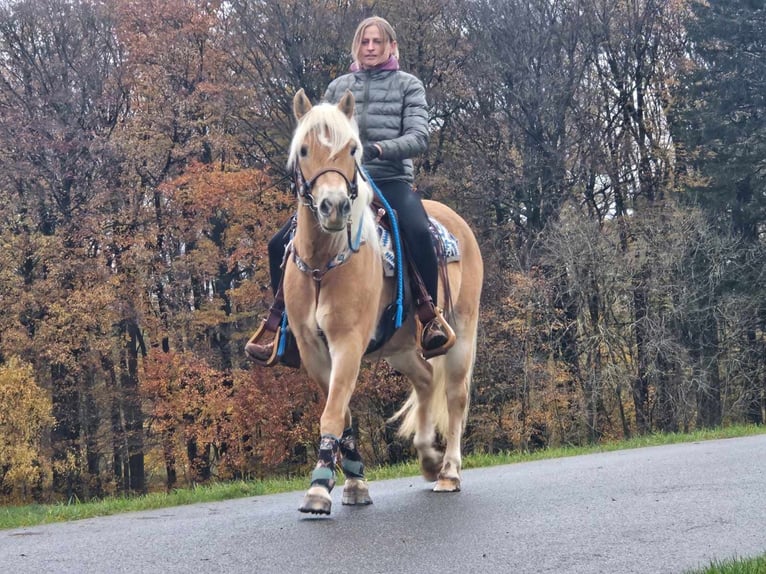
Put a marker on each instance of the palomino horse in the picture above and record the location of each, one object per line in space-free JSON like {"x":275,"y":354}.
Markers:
{"x":335,"y":292}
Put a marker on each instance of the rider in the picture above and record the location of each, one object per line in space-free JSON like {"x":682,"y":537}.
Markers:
{"x":392,"y":116}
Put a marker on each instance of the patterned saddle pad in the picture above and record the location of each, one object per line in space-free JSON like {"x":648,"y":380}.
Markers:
{"x":439,"y":233}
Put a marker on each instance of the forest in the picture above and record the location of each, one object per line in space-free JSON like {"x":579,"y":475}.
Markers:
{"x":610,"y":156}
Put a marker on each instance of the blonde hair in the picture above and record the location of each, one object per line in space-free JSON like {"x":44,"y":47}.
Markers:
{"x":386,"y":30}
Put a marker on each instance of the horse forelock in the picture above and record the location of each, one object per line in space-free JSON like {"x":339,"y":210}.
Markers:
{"x":330,"y":128}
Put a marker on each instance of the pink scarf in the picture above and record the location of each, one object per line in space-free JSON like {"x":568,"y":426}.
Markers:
{"x":390,"y":64}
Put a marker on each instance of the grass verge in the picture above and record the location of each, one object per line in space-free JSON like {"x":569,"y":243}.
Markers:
{"x":735,"y":566}
{"x":35,"y":514}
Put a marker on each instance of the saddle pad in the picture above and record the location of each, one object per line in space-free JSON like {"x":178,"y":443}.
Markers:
{"x":438,"y":233}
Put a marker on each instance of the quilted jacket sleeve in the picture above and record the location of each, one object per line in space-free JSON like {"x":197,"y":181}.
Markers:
{"x":412,"y":139}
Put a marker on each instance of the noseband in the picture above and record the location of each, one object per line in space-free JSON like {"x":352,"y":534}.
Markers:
{"x":303,"y":188}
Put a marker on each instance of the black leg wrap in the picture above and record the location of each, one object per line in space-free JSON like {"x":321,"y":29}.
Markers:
{"x":352,"y":461}
{"x":324,"y":472}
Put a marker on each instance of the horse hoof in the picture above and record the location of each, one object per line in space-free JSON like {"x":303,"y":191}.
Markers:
{"x":430,"y":467}
{"x":316,"y":501}
{"x":356,"y":492}
{"x":447,"y":485}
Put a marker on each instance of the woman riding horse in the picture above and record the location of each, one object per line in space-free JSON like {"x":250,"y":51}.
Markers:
{"x":335,"y":293}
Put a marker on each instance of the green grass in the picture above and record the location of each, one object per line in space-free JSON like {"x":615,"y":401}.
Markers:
{"x":31,"y":515}
{"x":735,"y":566}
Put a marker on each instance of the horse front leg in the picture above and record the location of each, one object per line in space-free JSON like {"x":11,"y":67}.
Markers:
{"x":336,"y":417}
{"x":318,"y":500}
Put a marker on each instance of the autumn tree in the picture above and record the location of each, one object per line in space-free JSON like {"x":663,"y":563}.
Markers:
{"x":277,"y":47}
{"x":197,"y":207}
{"x":61,"y":99}
{"x":525,"y":76}
{"x":638,"y":49}
{"x":25,"y":419}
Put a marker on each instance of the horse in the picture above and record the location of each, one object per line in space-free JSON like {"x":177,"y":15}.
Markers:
{"x":335,"y":292}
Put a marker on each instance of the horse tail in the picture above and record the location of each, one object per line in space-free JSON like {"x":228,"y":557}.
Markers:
{"x":407,"y":416}
{"x":463,"y":354}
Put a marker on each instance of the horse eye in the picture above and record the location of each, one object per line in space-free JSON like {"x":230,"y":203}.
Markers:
{"x":304,"y":151}
{"x":353,"y":150}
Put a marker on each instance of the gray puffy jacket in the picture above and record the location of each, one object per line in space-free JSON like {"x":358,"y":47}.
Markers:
{"x":391,"y":110}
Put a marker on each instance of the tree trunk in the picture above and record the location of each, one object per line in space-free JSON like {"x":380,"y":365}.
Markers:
{"x":641,"y":382}
{"x":171,"y":474}
{"x":709,"y":404}
{"x":666,"y":407}
{"x":92,"y":422}
{"x":132,"y":413}
{"x":66,"y":432}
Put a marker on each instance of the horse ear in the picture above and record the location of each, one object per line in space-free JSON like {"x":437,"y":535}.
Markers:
{"x":346,"y":104}
{"x":301,"y":104}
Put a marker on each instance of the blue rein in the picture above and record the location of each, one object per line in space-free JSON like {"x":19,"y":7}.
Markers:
{"x":397,"y":249}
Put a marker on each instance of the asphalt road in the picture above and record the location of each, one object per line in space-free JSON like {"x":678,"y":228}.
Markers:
{"x":649,"y":511}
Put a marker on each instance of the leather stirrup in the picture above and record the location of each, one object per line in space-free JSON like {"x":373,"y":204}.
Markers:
{"x":446,"y":328}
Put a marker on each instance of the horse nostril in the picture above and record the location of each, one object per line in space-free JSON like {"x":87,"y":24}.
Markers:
{"x":345,"y":207}
{"x":325,"y":208}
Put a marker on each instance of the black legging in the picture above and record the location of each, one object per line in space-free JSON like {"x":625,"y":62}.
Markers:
{"x":413,"y":225}
{"x":277,"y":245}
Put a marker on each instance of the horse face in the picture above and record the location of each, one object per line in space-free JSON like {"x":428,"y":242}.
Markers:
{"x":327,"y":158}
{"x":332,"y":180}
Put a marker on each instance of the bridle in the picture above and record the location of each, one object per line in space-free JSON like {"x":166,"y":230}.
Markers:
{"x":303,"y":189}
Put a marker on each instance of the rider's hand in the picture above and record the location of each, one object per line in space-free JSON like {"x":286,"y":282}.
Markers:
{"x":371,"y":151}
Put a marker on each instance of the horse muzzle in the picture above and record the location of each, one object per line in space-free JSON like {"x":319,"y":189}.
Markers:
{"x":333,"y":213}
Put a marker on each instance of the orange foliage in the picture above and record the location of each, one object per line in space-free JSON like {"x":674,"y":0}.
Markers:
{"x":225,"y":218}
{"x":277,"y":412}
{"x":246,"y":422}
{"x":187,"y":402}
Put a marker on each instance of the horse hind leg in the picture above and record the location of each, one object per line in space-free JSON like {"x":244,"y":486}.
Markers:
{"x":424,"y":439}
{"x":457,"y":370}
{"x":430,"y":459}
{"x":415,"y":414}
{"x":355,"y":490}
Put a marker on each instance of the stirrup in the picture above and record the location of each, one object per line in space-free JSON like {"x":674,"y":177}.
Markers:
{"x":262,"y":332}
{"x":451,"y":336}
